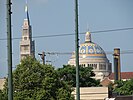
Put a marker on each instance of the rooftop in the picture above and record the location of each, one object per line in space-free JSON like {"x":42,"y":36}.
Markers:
{"x":124,"y":75}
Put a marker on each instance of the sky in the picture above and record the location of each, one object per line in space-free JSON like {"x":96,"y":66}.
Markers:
{"x":52,"y":17}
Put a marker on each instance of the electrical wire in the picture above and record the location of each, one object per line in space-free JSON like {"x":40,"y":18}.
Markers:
{"x":70,"y":53}
{"x":69,"y":34}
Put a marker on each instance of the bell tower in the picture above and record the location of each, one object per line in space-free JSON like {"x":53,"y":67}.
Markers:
{"x":27,"y":45}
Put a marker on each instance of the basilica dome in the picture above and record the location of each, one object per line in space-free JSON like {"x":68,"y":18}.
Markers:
{"x":91,"y":49}
{"x":92,"y":55}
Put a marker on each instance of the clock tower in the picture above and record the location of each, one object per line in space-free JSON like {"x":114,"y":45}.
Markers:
{"x":27,"y":45}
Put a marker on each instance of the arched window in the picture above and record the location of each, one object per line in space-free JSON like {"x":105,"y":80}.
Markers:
{"x":95,"y":66}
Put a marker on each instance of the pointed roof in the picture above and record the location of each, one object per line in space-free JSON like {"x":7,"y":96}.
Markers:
{"x":26,"y":12}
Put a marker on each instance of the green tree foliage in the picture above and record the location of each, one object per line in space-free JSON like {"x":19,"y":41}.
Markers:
{"x":124,"y":87}
{"x":35,"y":81}
{"x":68,"y":74}
{"x":2,"y":96}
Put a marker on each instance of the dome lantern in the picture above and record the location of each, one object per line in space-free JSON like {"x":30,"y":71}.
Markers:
{"x":88,"y":37}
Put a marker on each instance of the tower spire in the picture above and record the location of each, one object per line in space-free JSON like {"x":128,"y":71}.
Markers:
{"x":26,"y":8}
{"x":26,"y":11}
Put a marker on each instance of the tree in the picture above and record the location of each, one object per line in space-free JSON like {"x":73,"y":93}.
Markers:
{"x":68,"y":74}
{"x":2,"y":96}
{"x":35,"y":81}
{"x":124,"y":87}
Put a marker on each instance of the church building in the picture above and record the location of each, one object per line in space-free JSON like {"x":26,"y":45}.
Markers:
{"x":92,"y":55}
{"x":27,"y":45}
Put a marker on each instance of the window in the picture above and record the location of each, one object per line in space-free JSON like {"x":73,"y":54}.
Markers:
{"x":83,"y":65}
{"x":109,"y":67}
{"x":26,"y":48}
{"x":102,"y":66}
{"x":89,"y":65}
{"x":95,"y":66}
{"x":25,"y":31}
{"x":25,"y":38}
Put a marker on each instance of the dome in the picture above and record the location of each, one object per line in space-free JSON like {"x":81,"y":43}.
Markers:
{"x":92,"y":55}
{"x":89,"y":48}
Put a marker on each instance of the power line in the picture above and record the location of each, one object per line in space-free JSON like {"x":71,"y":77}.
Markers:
{"x":70,"y":53}
{"x":69,"y":34}
{"x":113,"y":30}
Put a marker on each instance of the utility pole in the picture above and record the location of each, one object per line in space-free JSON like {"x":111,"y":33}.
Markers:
{"x":77,"y":51}
{"x":42,"y":55}
{"x":9,"y":49}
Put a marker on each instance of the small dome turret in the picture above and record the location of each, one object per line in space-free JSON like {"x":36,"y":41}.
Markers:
{"x":88,"y":37}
